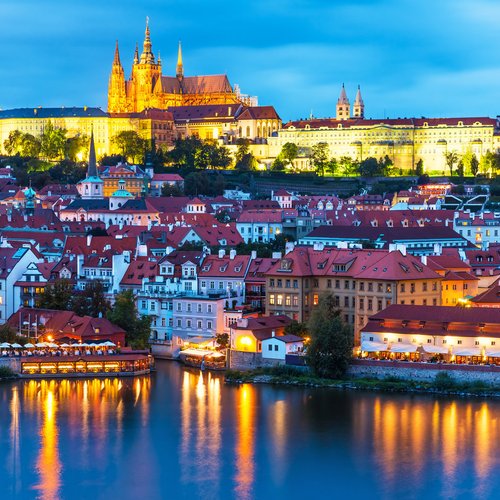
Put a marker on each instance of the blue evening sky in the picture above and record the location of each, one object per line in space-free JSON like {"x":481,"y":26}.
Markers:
{"x":411,"y":58}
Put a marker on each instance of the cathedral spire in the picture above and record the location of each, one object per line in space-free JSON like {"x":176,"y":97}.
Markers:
{"x":116,"y":61}
{"x":180,"y":67}
{"x":343,"y":106}
{"x":136,"y":54}
{"x":92,"y":168}
{"x":147,"y":56}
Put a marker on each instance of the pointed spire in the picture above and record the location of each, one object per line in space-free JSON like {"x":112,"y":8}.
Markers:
{"x":158,"y":60}
{"x":180,"y":67}
{"x":359,"y":99}
{"x":92,"y":168}
{"x":147,"y":56}
{"x":343,"y":96}
{"x":136,"y":54}
{"x":116,"y":61}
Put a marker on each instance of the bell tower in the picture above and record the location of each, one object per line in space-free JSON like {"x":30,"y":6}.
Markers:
{"x":343,"y":106}
{"x":359,"y":105}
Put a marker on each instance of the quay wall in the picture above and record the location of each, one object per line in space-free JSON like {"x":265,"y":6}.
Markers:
{"x":425,"y":372}
{"x":13,"y":363}
{"x":243,"y":360}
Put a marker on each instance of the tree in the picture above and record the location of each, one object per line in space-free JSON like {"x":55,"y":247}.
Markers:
{"x":124,"y":314}
{"x":489,"y":163}
{"x":53,"y":141}
{"x":386,"y":166}
{"x":370,"y":167}
{"x":111,"y":160}
{"x":278,"y":165}
{"x":13,"y":143}
{"x":474,"y":165}
{"x":171,"y":190}
{"x":348,"y":166}
{"x":76,"y":148}
{"x":289,"y":152}
{"x":331,"y":166}
{"x":8,"y":334}
{"x":91,"y":301}
{"x":460,"y":168}
{"x":57,"y":296}
{"x":451,"y":159}
{"x":419,"y":167}
{"x":204,"y":183}
{"x":296,"y":328}
{"x":222,"y":340}
{"x":330,"y":348}
{"x":30,"y":146}
{"x":131,"y":145}
{"x":244,"y":159}
{"x":184,"y":151}
{"x":319,"y":157}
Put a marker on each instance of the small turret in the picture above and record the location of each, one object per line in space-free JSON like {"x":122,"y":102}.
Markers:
{"x":136,"y":54}
{"x":359,"y":105}
{"x":116,"y":86}
{"x":343,"y":106}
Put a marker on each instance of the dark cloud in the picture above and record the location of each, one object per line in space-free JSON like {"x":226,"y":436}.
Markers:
{"x":411,"y":58}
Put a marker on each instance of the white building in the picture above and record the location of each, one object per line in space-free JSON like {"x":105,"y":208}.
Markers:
{"x":277,"y":347}
{"x":260,"y":226}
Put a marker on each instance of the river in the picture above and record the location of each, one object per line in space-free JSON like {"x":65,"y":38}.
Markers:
{"x":183,"y":434}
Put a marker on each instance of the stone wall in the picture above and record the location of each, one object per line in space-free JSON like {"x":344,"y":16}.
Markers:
{"x":425,"y":372}
{"x":243,"y":360}
{"x":13,"y":363}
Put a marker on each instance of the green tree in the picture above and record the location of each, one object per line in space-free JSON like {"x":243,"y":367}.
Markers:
{"x":53,"y":141}
{"x":331,"y":166}
{"x":13,"y":143}
{"x":451,"y":160}
{"x":460,"y":168}
{"x":296,"y":328}
{"x":370,"y":167}
{"x":8,"y":334}
{"x":77,"y":147}
{"x":289,"y":153}
{"x":474,"y":165}
{"x":57,"y":296}
{"x":204,"y":183}
{"x":348,"y":166}
{"x":278,"y":165}
{"x":184,"y":152}
{"x":330,"y":348}
{"x":222,"y":340}
{"x":419,"y":168}
{"x":319,"y":157}
{"x":130,"y":144}
{"x":169,"y":190}
{"x":244,"y":159}
{"x":124,"y":314}
{"x":489,"y":163}
{"x":91,"y":301}
{"x":30,"y":146}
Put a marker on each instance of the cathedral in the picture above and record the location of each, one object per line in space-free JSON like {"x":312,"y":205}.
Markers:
{"x":148,"y":88}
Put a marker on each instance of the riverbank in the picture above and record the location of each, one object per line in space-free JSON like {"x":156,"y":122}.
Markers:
{"x":443,"y":383}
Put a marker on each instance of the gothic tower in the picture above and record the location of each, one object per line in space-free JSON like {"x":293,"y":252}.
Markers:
{"x":359,"y":105}
{"x":343,"y":106}
{"x":145,"y":73}
{"x":117,"y":97}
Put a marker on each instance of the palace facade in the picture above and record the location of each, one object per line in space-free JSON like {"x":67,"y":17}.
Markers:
{"x":404,"y":140}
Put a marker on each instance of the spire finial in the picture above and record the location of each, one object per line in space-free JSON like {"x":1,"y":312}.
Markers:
{"x":147,"y":54}
{"x":136,"y":53}
{"x":180,"y":67}
{"x":92,"y":168}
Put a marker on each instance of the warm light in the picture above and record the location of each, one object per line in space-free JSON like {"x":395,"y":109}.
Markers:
{"x":50,"y":338}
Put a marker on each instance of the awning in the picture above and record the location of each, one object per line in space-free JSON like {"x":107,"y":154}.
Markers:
{"x":492,"y":354}
{"x":471,"y":351}
{"x":400,"y":347}
{"x":199,"y":340}
{"x":434,"y":349}
{"x":368,"y":346}
{"x":196,"y":352}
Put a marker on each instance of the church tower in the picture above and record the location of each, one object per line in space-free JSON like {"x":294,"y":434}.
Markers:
{"x":343,"y":106}
{"x":359,"y":105}
{"x":91,"y":187}
{"x":117,"y":97}
{"x":145,"y":73}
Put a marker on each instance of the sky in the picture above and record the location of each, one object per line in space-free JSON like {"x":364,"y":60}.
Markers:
{"x":429,"y":58}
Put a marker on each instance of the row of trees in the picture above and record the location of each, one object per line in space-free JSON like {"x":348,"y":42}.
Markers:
{"x":468,"y":163}
{"x":92,"y":302}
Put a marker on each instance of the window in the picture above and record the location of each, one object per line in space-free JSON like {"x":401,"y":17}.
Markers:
{"x":424,"y":286}
{"x":402,"y":287}
{"x":271,"y":299}
{"x":199,"y":324}
{"x":203,"y":284}
{"x":209,"y":308}
{"x":288,"y":300}
{"x":143,"y":304}
{"x":179,"y":306}
{"x":270,"y":347}
{"x":380,"y":287}
{"x":295,"y":284}
{"x":434,"y":286}
{"x":379,"y":305}
{"x":459,"y":342}
{"x":315,"y":299}
{"x":209,"y":325}
{"x":198,"y":308}
{"x":280,"y":283}
{"x":361,"y":285}
{"x":346,"y":285}
{"x":412,"y":287}
{"x":212,"y":285}
{"x":315,"y":283}
{"x":221,"y":285}
{"x":279,"y":300}
{"x":346,"y":301}
{"x":188,"y":307}
{"x":370,"y":287}
{"x":188,"y":323}
{"x":388,"y":288}
{"x":370,"y":304}
{"x":295,"y":300}
{"x":287,"y":284}
{"x":362,"y":304}
{"x":337,"y":283}
{"x":271,"y":282}
{"x":328,"y":283}
{"x":275,"y":347}
{"x":179,"y":323}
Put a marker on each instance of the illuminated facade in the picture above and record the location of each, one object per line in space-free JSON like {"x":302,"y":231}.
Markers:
{"x":148,"y":88}
{"x":149,"y":124}
{"x":404,"y":140}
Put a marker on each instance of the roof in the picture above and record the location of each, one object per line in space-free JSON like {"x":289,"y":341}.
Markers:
{"x":62,"y":112}
{"x":206,"y":84}
{"x":255,"y":216}
{"x":139,"y":269}
{"x":213,"y":266}
{"x":167,"y":178}
{"x":259,"y":113}
{"x":490,"y":296}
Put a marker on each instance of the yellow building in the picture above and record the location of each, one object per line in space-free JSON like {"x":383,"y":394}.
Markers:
{"x":147,"y":87}
{"x":404,"y":140}
{"x":149,"y":124}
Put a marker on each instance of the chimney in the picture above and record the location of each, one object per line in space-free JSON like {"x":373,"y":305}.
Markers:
{"x":289,"y":246}
{"x":232,"y":254}
{"x":222,"y":253}
{"x":89,"y":239}
{"x":169,"y":250}
{"x":401,"y":248}
{"x":79,"y":265}
{"x":273,"y":333}
{"x":276,"y":255}
{"x":423,"y":258}
{"x":150,"y":225}
{"x":253,"y":255}
{"x":437,"y":249}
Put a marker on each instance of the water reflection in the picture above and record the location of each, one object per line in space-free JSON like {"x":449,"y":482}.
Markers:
{"x":245,"y":441}
{"x":48,"y":463}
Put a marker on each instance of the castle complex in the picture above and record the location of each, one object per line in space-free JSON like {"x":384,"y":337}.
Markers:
{"x":147,"y":87}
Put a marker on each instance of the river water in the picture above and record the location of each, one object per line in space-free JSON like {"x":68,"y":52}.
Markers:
{"x":183,"y":434}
